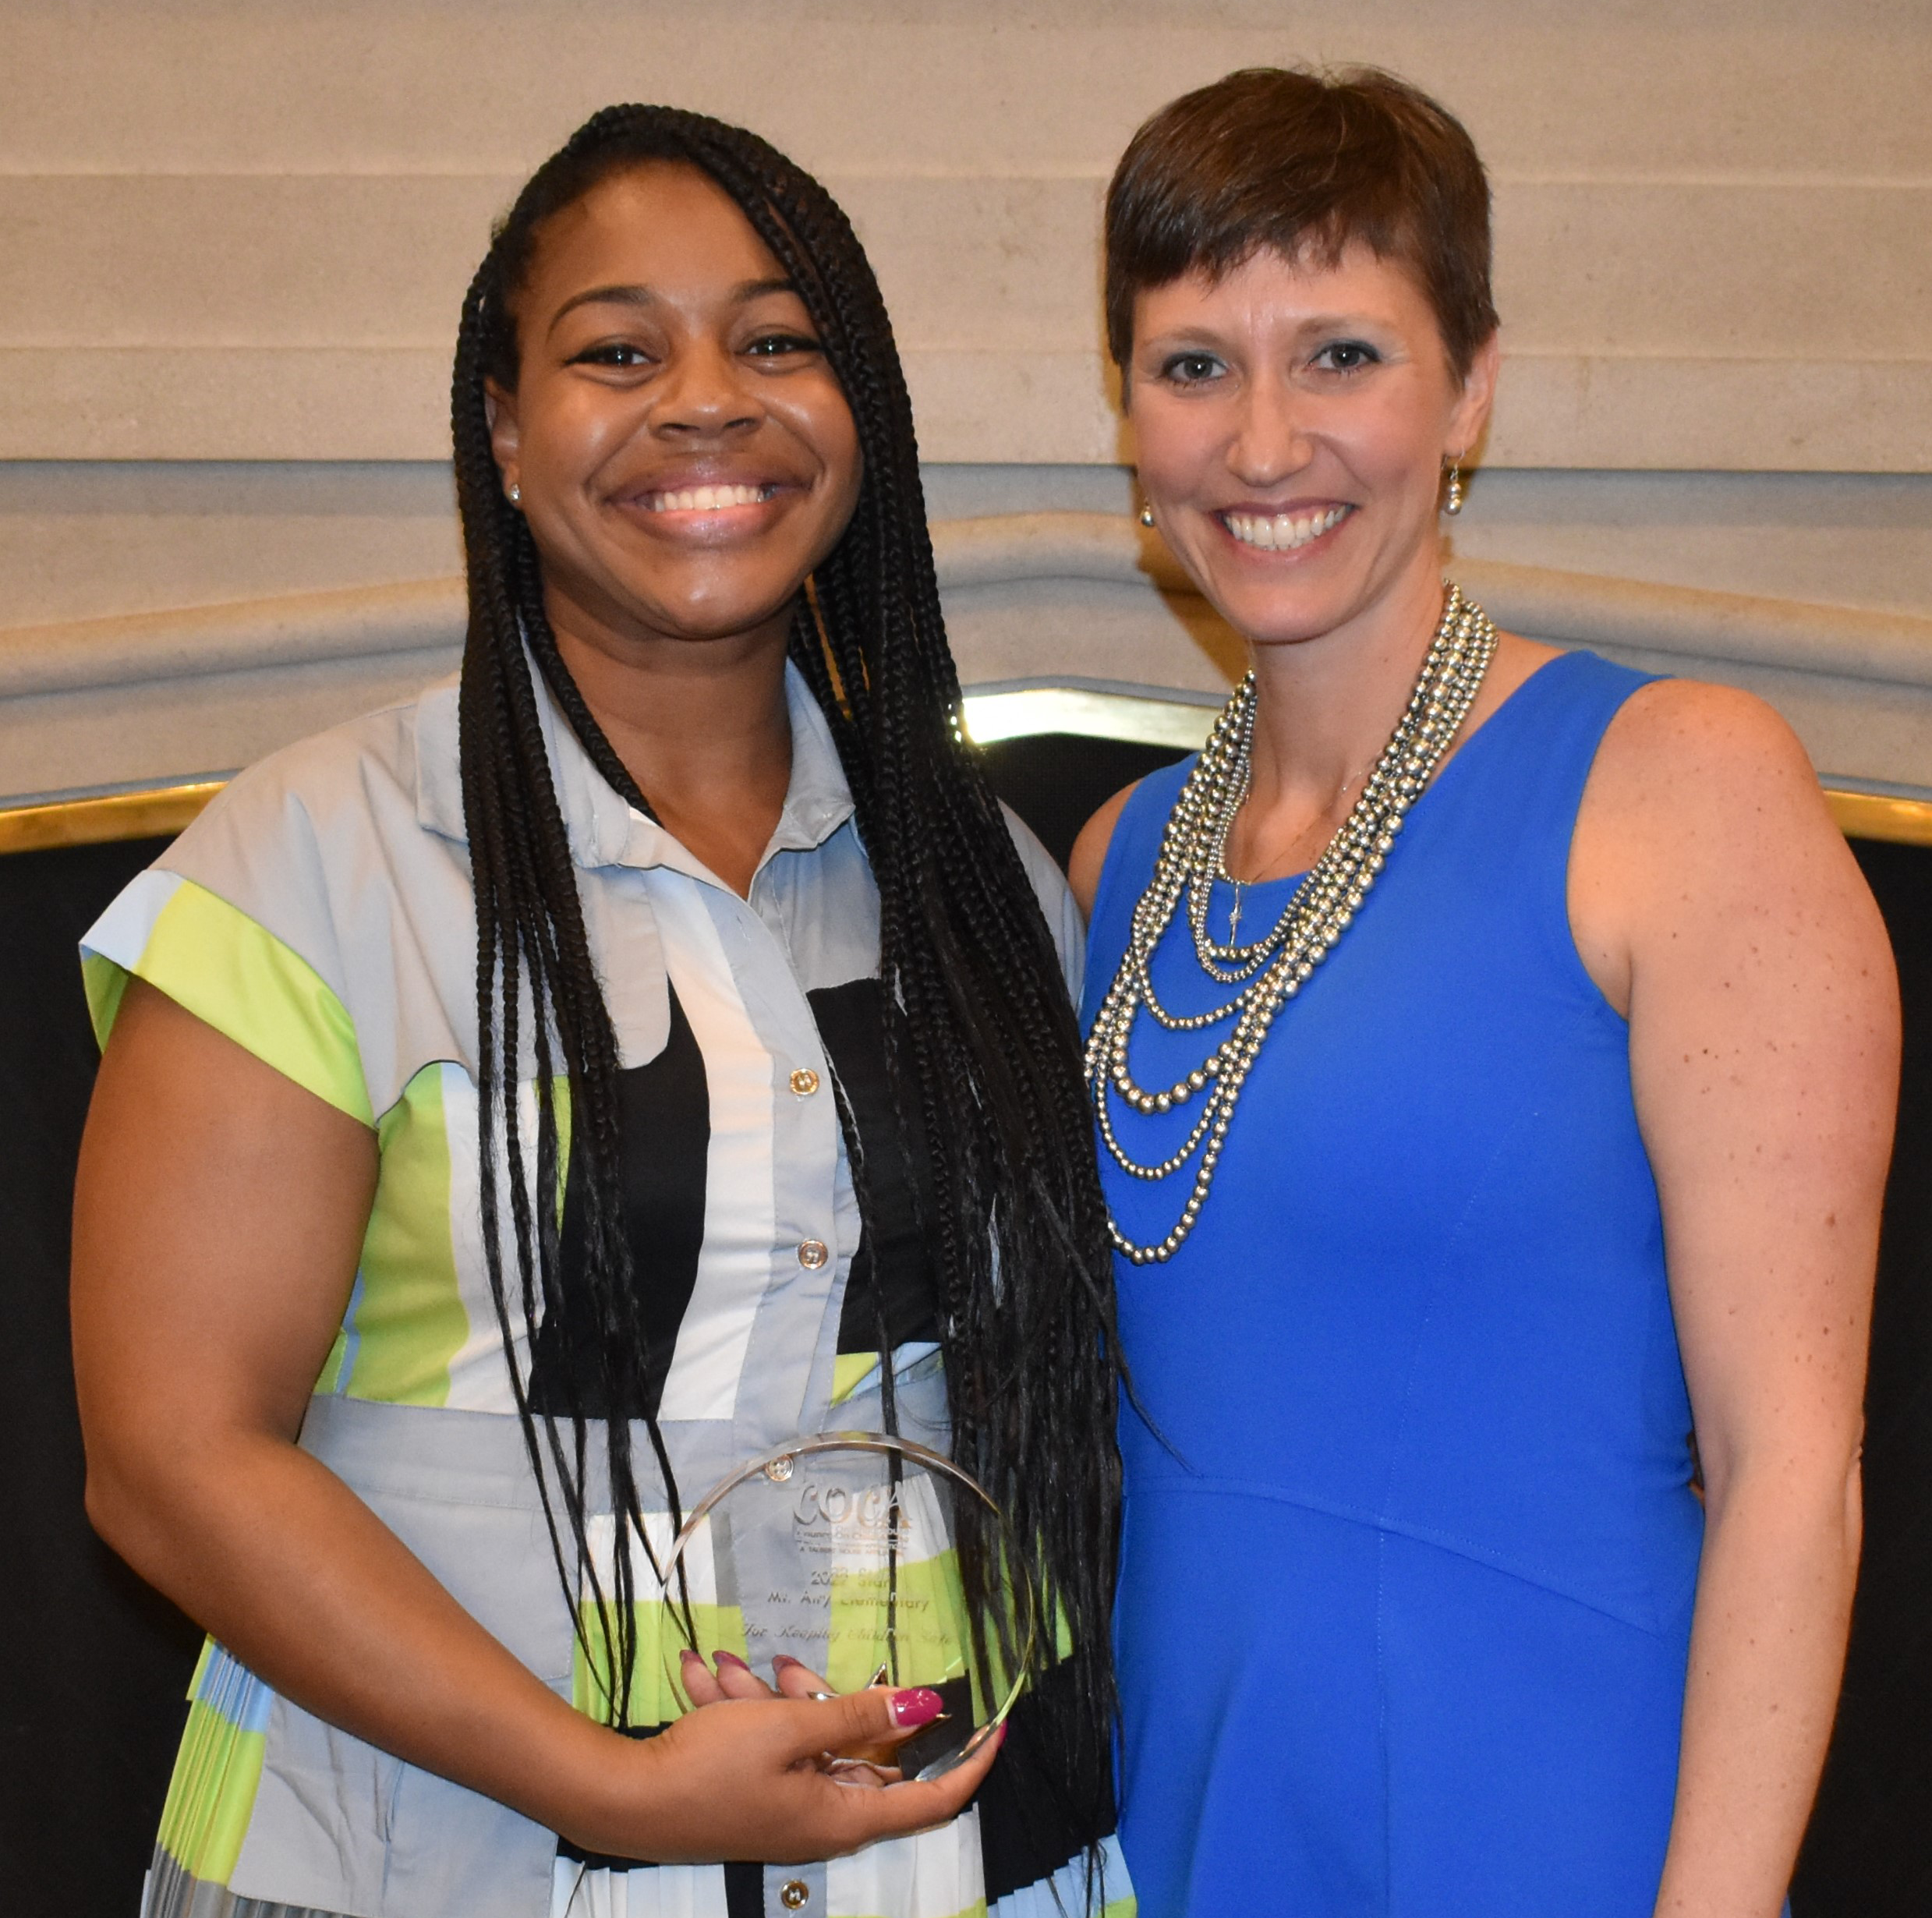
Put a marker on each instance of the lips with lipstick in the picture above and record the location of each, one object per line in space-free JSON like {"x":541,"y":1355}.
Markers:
{"x":1283,"y":533}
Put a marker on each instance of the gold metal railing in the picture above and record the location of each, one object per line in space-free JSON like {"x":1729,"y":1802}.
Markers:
{"x":1880,"y":816}
{"x":165,"y":810}
{"x":998,"y":713}
{"x":146,"y":815}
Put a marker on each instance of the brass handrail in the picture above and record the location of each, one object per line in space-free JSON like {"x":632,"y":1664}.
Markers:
{"x":1881,"y":815}
{"x":162,"y":811}
{"x":149,"y":814}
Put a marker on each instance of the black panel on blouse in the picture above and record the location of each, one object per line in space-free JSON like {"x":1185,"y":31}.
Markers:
{"x":665,"y":1116}
{"x":892,"y":1254}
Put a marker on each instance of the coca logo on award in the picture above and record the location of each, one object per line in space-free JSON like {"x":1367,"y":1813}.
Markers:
{"x":871,"y":1508}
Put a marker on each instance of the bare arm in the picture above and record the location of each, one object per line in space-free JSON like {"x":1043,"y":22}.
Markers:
{"x":1712,"y":897}
{"x":219,"y":1218}
{"x":1089,"y":854}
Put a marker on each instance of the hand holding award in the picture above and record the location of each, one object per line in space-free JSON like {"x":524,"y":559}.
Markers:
{"x":841,"y":1554}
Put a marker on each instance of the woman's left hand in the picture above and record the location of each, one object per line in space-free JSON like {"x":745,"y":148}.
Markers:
{"x":870,"y":1766}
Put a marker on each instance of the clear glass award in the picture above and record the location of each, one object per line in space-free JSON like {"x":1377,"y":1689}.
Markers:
{"x":850,"y":1552}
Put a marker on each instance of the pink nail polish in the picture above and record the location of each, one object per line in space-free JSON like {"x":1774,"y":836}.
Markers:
{"x":730,"y":1658}
{"x":918,"y":1707}
{"x":688,"y":1657}
{"x":780,"y":1660}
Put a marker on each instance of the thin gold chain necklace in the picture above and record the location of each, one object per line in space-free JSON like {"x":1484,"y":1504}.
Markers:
{"x":1238,"y":887}
{"x":1269,"y":972}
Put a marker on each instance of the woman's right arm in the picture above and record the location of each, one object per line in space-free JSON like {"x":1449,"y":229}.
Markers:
{"x":219,"y":1216}
{"x":1089,"y":856}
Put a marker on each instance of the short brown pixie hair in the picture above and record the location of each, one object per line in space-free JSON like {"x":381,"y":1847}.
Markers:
{"x":1303,"y":163}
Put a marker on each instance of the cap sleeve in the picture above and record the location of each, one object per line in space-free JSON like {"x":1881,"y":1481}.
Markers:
{"x":212,"y":959}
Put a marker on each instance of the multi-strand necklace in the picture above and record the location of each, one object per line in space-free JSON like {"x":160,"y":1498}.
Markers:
{"x":1269,"y":972}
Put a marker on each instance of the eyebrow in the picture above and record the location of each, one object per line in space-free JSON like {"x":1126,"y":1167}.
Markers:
{"x":1311,"y":323}
{"x":633,"y":295}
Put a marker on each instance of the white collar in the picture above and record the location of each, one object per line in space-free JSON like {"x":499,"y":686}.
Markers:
{"x":604,"y":829}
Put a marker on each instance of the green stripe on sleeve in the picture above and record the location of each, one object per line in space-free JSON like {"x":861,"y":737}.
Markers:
{"x":218,"y":963}
{"x":103,"y":982}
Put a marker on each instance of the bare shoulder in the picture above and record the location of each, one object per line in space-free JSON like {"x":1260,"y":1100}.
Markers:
{"x":1702,"y":818}
{"x":1090,"y":849}
{"x":1698,"y":765}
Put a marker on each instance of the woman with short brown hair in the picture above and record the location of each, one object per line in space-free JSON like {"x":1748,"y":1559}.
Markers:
{"x":1494,"y":1052}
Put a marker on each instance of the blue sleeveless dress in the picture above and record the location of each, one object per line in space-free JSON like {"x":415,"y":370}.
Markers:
{"x":1410,"y":1552}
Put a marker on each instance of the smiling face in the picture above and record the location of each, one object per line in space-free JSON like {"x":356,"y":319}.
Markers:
{"x":683,"y":455}
{"x":1291,"y":421}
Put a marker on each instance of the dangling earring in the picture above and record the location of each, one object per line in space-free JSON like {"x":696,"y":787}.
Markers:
{"x":516,"y":493}
{"x":1452,"y":499}
{"x":1147,"y":515}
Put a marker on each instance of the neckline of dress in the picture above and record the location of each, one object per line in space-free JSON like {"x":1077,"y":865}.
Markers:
{"x":1260,"y":888}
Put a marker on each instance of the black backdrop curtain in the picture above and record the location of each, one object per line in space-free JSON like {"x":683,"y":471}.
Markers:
{"x":93,"y":1665}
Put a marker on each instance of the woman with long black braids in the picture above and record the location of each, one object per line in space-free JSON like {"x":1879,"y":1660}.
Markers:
{"x":521,"y":1105}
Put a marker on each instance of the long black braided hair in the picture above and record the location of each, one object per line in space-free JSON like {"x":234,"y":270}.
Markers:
{"x":982,"y":1051}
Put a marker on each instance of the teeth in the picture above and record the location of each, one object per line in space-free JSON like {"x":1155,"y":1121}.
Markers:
{"x":1285,"y":531}
{"x":704,"y":499}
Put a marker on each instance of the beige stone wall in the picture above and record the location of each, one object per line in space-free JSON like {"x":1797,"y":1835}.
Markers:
{"x":234,"y":237}
{"x":240,"y":232}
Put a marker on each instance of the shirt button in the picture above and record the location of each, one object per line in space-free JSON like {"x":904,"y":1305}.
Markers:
{"x":812,"y":1255}
{"x":793,"y":1893}
{"x":804,"y":1082}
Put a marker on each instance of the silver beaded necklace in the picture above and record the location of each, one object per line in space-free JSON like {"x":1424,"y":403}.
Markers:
{"x":1269,"y":972}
